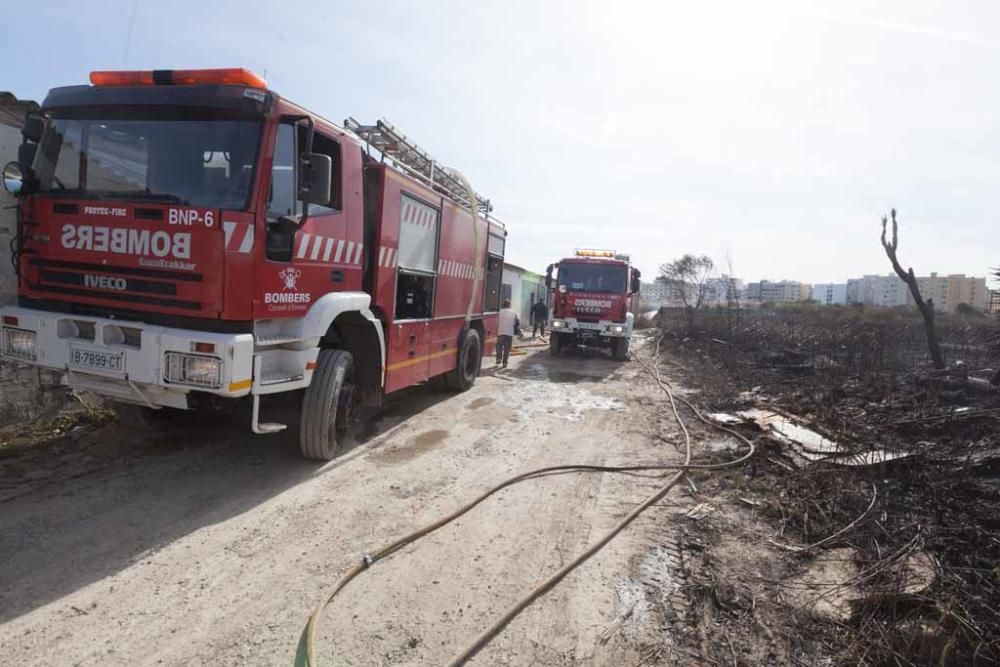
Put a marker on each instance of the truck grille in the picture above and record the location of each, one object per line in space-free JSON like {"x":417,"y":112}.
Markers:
{"x":85,"y":330}
{"x":132,"y":337}
{"x":115,"y":334}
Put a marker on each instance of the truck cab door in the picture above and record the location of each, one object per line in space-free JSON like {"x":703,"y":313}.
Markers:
{"x":323,"y":254}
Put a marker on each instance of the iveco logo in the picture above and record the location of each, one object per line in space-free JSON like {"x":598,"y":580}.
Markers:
{"x":105,"y":282}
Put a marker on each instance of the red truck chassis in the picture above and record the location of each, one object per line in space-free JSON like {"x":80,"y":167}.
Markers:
{"x":592,"y":301}
{"x":192,"y":234}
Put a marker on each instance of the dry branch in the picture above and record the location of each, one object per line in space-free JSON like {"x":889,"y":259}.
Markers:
{"x":926,"y":307}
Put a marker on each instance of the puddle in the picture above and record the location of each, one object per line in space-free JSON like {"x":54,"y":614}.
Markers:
{"x":568,"y":376}
{"x":536,"y":394}
{"x":416,"y":446}
{"x":479,"y":403}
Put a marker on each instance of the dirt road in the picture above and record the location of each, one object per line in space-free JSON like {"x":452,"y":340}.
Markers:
{"x":211,"y":546}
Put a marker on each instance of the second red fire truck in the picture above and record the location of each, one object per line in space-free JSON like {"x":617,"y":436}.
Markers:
{"x":592,"y":301}
{"x":186,"y":234}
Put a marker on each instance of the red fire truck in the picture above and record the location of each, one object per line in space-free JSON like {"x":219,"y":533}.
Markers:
{"x":592,"y":301}
{"x":186,"y":235}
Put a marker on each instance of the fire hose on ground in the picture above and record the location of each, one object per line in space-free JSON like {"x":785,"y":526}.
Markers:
{"x":305,"y":653}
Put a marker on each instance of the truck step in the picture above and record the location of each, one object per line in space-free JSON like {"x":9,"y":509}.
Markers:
{"x":270,"y":427}
{"x":260,"y":427}
{"x":279,"y":376}
{"x":267,"y":341}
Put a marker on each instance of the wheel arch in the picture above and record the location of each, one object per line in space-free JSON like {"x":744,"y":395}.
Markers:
{"x":360,"y":333}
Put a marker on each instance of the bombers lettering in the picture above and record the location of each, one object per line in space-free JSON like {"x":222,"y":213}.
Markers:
{"x":287,"y":297}
{"x":593,"y":303}
{"x":123,"y":241}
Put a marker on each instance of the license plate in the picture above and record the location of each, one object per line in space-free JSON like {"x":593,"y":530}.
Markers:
{"x":105,"y":361}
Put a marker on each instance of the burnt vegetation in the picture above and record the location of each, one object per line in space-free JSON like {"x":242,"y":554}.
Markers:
{"x":922,"y":586}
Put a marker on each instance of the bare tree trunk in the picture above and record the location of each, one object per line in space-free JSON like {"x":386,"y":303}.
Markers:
{"x":926,"y":307}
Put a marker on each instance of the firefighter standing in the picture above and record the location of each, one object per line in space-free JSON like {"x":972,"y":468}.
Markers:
{"x":539,"y":318}
{"x":507,"y":326}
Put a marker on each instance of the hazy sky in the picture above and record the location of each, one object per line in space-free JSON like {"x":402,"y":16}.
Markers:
{"x":779,"y":130}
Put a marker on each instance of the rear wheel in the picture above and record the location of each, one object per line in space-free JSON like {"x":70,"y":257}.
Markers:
{"x":327,"y":406}
{"x":470,"y":359}
{"x":620,"y":350}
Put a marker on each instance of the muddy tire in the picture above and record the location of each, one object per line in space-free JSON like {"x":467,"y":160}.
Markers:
{"x":470,"y":360}
{"x":620,"y":350}
{"x":555,"y":344}
{"x":327,"y":406}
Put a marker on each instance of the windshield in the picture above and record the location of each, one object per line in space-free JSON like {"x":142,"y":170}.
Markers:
{"x":206,"y":163}
{"x":593,"y":277}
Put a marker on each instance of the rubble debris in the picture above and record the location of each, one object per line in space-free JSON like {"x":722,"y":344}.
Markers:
{"x":821,"y":590}
{"x":803,"y":441}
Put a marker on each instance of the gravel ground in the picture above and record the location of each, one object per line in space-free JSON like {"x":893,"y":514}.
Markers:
{"x":205,"y":545}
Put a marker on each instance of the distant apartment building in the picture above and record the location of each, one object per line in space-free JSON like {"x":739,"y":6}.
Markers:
{"x":659,"y":294}
{"x":950,"y":291}
{"x":719,"y":291}
{"x":663,"y":293}
{"x":946,"y":291}
{"x":994,"y":303}
{"x":782,"y":291}
{"x":886,"y":291}
{"x":830,"y":293}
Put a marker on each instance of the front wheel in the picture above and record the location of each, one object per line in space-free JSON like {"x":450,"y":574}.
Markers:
{"x":555,"y":343}
{"x":470,"y":359}
{"x":327,"y":406}
{"x":620,"y":350}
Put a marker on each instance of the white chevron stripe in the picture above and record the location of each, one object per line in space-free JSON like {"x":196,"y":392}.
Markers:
{"x":328,"y":249}
{"x":340,"y":250}
{"x":317,"y":245}
{"x":381,"y":256}
{"x":357,"y":254}
{"x":303,"y":245}
{"x":247,"y":242}
{"x":228,"y":228}
{"x":350,"y":249}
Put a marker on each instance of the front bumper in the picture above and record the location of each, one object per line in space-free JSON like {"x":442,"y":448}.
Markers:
{"x":139,"y":370}
{"x":604,"y":328}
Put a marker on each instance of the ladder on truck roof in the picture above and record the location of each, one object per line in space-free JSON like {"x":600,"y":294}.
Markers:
{"x":415,"y":161}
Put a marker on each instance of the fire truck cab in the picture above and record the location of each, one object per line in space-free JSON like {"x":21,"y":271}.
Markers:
{"x":592,"y":301}
{"x":189,"y":234}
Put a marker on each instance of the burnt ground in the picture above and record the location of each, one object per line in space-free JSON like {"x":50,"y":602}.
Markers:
{"x":914,"y":580}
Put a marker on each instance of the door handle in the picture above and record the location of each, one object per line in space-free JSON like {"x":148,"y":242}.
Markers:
{"x":413,"y":352}
{"x":413,"y":338}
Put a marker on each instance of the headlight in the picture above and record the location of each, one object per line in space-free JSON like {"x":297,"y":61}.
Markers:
{"x":19,"y":343}
{"x":617,"y":329}
{"x":558,"y":324}
{"x":194,"y":369}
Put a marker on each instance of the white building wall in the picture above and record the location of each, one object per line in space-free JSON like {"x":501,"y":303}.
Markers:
{"x":830,"y":293}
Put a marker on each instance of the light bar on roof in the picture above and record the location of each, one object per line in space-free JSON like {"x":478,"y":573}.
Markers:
{"x":584,"y":252}
{"x":178,"y":77}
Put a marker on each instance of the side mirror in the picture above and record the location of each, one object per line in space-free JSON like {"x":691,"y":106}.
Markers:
{"x":315,"y":176}
{"x":26,"y":154}
{"x":17,"y":179}
{"x":548,"y":276}
{"x":33,"y":127}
